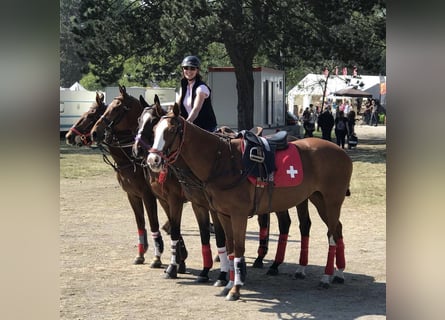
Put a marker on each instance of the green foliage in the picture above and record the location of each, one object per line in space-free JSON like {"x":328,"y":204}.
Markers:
{"x":143,"y":42}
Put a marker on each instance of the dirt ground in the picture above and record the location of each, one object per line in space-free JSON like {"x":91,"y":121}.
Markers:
{"x":98,"y":242}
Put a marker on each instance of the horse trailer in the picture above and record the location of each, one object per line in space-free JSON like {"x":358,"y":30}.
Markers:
{"x":72,"y":105}
{"x":269,"y":88}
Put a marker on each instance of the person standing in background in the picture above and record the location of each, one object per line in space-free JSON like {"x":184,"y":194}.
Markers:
{"x":326,"y":123}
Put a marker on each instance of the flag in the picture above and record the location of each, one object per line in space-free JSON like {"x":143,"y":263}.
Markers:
{"x":345,"y":71}
{"x":336,"y":71}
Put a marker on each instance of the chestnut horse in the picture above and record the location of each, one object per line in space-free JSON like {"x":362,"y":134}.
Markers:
{"x":80,"y":135}
{"x":327,"y":172}
{"x":171,"y":195}
{"x":117,"y":127}
{"x":193,"y":192}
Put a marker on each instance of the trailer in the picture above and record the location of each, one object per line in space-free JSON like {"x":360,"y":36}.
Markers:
{"x":72,"y":105}
{"x":269,"y":87}
{"x":167,"y":96}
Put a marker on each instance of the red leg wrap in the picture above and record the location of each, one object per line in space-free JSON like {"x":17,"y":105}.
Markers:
{"x":263,"y":233}
{"x":340,"y":254}
{"x":231,"y":268}
{"x":281,"y":249}
{"x":329,"y":270}
{"x":141,"y":244}
{"x":304,"y":251}
{"x":207,"y":256}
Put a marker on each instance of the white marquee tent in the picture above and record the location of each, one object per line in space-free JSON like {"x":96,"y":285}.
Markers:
{"x":310,"y":88}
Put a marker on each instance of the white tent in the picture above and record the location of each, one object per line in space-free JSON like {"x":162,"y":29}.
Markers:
{"x":310,"y":88}
{"x":77,"y":87}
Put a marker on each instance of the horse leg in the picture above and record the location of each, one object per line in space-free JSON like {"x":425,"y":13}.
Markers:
{"x":203,"y":219}
{"x":220,"y":238}
{"x":284,"y":222}
{"x":178,"y":251}
{"x":151,"y":206}
{"x":225,"y":222}
{"x":305,"y":227}
{"x":239,"y":226}
{"x":138,"y":209}
{"x":264,"y":223}
{"x":330,"y":214}
{"x":339,"y":255}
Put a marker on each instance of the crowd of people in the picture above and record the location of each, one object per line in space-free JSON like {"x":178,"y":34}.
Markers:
{"x":194,"y":100}
{"x":341,"y":118}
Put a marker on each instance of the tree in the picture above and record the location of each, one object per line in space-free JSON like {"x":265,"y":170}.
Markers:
{"x":294,"y":34}
{"x":71,"y":65}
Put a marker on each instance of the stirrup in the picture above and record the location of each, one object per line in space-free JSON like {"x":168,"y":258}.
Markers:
{"x":257,"y":154}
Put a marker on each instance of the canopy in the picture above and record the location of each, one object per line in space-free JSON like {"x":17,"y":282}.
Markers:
{"x":351,"y":92}
{"x":77,"y":87}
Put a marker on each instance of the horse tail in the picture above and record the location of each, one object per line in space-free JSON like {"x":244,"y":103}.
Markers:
{"x":348,"y":192}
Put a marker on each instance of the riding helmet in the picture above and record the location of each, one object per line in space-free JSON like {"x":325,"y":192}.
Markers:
{"x":191,"y":61}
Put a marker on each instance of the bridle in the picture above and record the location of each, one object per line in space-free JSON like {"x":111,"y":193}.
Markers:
{"x":173,"y":155}
{"x":109,"y":133}
{"x":139,"y":137}
{"x":85,"y":135}
{"x":110,"y":123}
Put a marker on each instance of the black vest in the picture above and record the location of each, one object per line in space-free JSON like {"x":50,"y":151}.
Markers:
{"x":206,"y":118}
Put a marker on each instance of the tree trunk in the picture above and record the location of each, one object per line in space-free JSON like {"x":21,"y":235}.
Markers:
{"x":242,"y":61}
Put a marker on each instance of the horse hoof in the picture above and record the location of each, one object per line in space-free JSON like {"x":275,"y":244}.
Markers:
{"x":182,"y":268}
{"x":156,"y":264}
{"x":139,"y":260}
{"x":338,"y":280}
{"x":220,"y":283}
{"x":258,"y":263}
{"x":225,"y":291}
{"x":299,"y":275}
{"x":232,"y":296}
{"x":272,"y":272}
{"x":171,"y":272}
{"x":202,"y":279}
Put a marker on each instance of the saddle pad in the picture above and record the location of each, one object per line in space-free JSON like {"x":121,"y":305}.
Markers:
{"x":289,"y":171}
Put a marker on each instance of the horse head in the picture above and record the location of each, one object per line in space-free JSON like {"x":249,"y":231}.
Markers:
{"x":167,"y":139}
{"x":79,"y":133}
{"x":119,"y":119}
{"x":149,"y":118}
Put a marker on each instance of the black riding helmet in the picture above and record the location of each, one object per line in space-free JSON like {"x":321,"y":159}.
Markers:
{"x":191,"y":61}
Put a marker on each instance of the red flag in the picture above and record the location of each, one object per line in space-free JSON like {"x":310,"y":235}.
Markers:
{"x":354,"y":72}
{"x":345,"y":71}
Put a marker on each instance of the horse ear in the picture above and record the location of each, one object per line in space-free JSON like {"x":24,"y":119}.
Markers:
{"x":122,"y":90}
{"x":176,"y":109}
{"x":159,"y":109}
{"x":143,"y":102}
{"x":157,"y":101}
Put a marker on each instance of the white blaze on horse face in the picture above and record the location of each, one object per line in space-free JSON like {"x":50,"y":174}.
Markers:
{"x":154,"y":159}
{"x":145,"y":118}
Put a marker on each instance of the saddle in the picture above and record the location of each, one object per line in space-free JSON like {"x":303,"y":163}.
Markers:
{"x":259,"y":153}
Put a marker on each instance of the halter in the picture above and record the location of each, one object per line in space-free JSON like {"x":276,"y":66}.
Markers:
{"x":170,"y":159}
{"x":83,"y":136}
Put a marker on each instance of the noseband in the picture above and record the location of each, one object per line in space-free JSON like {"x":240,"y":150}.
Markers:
{"x":173,"y":156}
